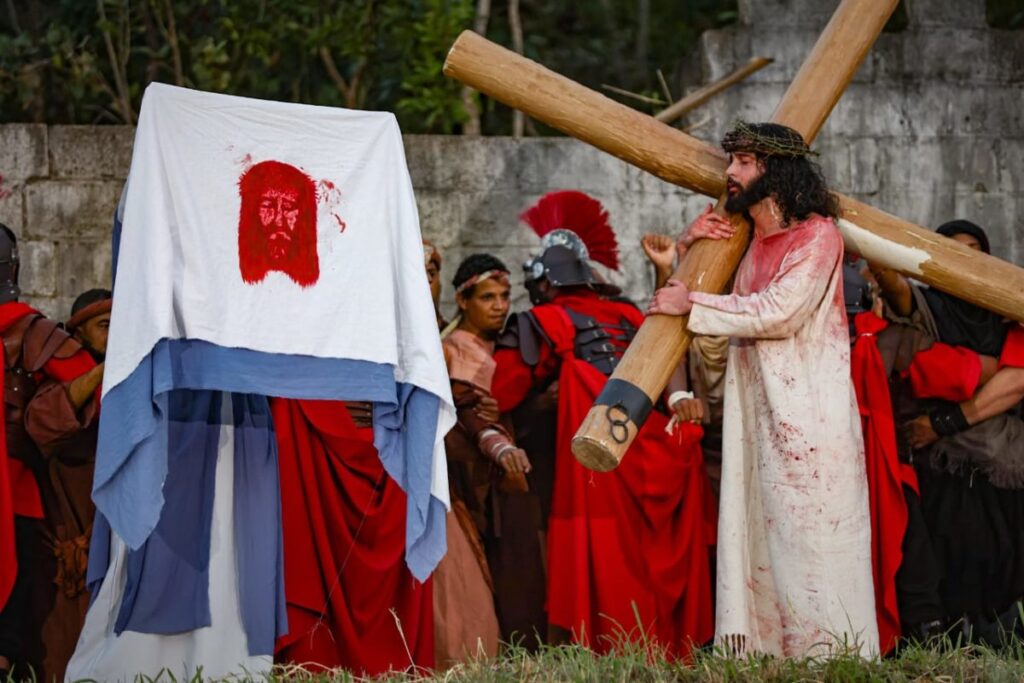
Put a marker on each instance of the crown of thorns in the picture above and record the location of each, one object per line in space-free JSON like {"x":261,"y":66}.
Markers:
{"x":766,"y":138}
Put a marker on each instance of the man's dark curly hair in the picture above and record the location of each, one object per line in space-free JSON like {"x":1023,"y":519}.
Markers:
{"x":474,"y":265}
{"x":790,"y":176}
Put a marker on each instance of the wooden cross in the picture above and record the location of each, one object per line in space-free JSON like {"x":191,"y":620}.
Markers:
{"x":662,"y":341}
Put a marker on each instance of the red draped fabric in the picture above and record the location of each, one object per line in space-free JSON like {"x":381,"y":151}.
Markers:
{"x":886,"y":474}
{"x":8,"y":555}
{"x":950,"y":373}
{"x":629,"y":547}
{"x":1013,"y":348}
{"x":19,"y":491}
{"x":352,"y":602}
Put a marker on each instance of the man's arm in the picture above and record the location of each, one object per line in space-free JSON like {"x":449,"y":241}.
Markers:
{"x":661,"y":252}
{"x":777,"y":311}
{"x":80,"y":390}
{"x":999,"y":394}
{"x":895,"y":289}
{"x":66,"y":403}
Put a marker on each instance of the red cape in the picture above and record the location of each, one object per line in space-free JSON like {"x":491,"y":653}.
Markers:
{"x":19,"y":491}
{"x":629,"y":547}
{"x":352,"y":602}
{"x":886,"y":474}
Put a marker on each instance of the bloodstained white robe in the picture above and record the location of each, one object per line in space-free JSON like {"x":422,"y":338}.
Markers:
{"x":794,"y":537}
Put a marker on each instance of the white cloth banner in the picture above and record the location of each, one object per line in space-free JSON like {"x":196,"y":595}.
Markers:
{"x":279,"y":228}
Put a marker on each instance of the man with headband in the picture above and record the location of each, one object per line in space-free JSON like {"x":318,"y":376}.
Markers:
{"x":66,"y":435}
{"x":794,"y":536}
{"x":482,"y":458}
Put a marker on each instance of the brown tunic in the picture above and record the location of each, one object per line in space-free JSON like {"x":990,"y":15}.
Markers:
{"x":67,"y":440}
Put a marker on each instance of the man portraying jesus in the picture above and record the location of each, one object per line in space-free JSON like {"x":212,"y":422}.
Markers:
{"x":277,"y":224}
{"x":794,"y":535}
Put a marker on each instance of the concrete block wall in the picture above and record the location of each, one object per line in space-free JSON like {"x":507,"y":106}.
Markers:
{"x":931,"y":129}
{"x":61,"y":185}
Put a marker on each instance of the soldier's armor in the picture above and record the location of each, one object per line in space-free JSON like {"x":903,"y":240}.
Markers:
{"x":29,"y":344}
{"x":598,"y":344}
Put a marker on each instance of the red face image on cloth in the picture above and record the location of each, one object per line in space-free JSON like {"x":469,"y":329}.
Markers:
{"x":277,"y":224}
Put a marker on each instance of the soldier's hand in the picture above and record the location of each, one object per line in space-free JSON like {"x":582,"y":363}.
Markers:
{"x":672,"y":299}
{"x":708,"y":225}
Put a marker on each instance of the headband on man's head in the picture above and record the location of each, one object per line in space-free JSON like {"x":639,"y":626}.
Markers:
{"x":769,"y":139}
{"x":499,"y":275}
{"x":88,"y":312}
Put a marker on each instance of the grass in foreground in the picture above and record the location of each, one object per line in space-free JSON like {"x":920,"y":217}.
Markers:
{"x":572,"y":663}
{"x":579,"y":664}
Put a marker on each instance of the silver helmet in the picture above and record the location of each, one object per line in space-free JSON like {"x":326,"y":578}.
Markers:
{"x":8,"y":265}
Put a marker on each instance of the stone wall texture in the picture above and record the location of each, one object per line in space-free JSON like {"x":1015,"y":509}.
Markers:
{"x":931,"y":129}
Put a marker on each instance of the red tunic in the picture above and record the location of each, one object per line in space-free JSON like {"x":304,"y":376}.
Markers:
{"x":886,"y":474}
{"x":352,"y":602}
{"x":627,"y":545}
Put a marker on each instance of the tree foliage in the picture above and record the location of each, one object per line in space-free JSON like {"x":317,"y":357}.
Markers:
{"x":88,"y":61}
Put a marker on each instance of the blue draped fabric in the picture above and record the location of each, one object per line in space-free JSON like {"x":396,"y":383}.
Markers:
{"x":155,"y":465}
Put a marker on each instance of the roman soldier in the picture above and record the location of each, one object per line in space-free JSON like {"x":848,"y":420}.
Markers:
{"x":627,"y":550}
{"x":36,"y":350}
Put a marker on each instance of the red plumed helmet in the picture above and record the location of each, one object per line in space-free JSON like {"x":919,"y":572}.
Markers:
{"x":581,"y":214}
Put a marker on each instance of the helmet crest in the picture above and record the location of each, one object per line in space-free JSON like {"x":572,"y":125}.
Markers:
{"x":578,"y":213}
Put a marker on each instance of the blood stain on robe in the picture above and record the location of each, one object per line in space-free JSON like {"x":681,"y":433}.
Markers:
{"x":277,"y":223}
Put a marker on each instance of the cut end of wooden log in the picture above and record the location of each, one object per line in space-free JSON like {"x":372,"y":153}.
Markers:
{"x":463,"y":37}
{"x":593,"y":454}
{"x":595,"y":444}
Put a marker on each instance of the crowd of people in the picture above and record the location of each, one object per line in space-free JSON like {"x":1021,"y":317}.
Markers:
{"x":837,"y":462}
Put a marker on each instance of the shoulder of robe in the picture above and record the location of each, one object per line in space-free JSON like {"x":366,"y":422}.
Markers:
{"x":43,"y":340}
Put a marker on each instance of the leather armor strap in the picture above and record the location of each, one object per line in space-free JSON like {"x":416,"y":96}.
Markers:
{"x":524,"y":332}
{"x":602,"y":346}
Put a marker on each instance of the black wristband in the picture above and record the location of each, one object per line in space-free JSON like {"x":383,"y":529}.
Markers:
{"x":948,"y":419}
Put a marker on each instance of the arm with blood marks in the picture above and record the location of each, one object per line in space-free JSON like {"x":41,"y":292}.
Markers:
{"x":780,"y":309}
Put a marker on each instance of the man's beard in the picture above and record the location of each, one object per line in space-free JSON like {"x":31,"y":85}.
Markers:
{"x":96,"y":355}
{"x":280,"y":246}
{"x":742,"y":201}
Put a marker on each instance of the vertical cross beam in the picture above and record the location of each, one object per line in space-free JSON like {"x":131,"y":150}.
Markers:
{"x":661,"y":343}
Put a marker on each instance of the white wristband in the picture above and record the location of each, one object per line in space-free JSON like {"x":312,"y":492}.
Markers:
{"x":503,"y":451}
{"x":677,"y":396}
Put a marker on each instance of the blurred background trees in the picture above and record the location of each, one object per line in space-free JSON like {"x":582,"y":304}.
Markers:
{"x":89,"y":61}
